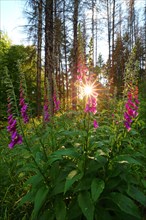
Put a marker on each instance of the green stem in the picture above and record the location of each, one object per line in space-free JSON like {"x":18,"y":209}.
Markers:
{"x":21,"y":128}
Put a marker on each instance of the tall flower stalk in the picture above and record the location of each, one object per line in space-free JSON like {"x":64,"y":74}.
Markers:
{"x":46,"y":111}
{"x":131,"y":107}
{"x":12,"y":128}
{"x":23,"y":105}
{"x":56,"y":103}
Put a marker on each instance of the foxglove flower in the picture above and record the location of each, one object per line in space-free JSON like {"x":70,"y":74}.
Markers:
{"x":46,"y":110}
{"x":91,"y":105}
{"x":24,"y":106}
{"x":95,"y":124}
{"x":56,"y":103}
{"x":15,"y":139}
{"x":46,"y":113}
{"x":131,"y":109}
{"x":12,"y":129}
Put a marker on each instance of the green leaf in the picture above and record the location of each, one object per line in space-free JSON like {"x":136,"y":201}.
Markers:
{"x":126,"y":159}
{"x":34,"y":180}
{"x":59,"y":154}
{"x":137,"y":195}
{"x":74,"y":210}
{"x":102,"y":214}
{"x":29,"y":197}
{"x":125,"y":204}
{"x":86,"y":205}
{"x":60,"y":209}
{"x":40,"y":198}
{"x":47,"y":214}
{"x":97,"y":186}
{"x":72,"y":177}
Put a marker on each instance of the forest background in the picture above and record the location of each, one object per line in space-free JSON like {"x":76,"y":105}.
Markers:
{"x":73,"y":112}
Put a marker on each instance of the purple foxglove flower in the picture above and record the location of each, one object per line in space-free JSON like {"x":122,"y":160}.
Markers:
{"x":56,"y":103}
{"x":12,"y":126}
{"x":137,"y":101}
{"x":22,"y":102}
{"x":127,"y":125}
{"x":87,"y":108}
{"x":91,"y":105}
{"x":24,"y":106}
{"x":95,"y":124}
{"x":46,"y":113}
{"x":131,"y":111}
{"x":127,"y":117}
{"x":15,"y":139}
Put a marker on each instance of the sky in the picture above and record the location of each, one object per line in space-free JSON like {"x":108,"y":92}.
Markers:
{"x":12,"y":20}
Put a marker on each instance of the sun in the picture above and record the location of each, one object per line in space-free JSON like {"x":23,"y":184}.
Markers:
{"x":88,"y":90}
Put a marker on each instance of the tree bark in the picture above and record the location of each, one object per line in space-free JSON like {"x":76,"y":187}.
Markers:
{"x":74,"y":71}
{"x":49,"y":53}
{"x":39,"y":65}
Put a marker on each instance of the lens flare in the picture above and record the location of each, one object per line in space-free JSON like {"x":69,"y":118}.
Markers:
{"x":88,"y":90}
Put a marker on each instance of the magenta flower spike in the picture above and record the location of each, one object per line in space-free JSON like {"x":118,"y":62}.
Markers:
{"x":56,"y":103}
{"x":15,"y":139}
{"x":12,"y":129}
{"x":95,"y":124}
{"x":24,"y":106}
{"x":131,"y":112}
{"x":91,"y":105}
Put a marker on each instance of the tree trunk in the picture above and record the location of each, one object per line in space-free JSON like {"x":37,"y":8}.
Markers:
{"x":49,"y":53}
{"x":109,"y":30}
{"x":74,"y":71}
{"x":39,"y":65}
{"x":65,"y":54}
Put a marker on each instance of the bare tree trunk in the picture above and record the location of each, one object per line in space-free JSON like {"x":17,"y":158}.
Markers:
{"x":113,"y":27}
{"x":109,"y":29}
{"x":145,"y":40}
{"x":74,"y":71}
{"x":96,"y":39}
{"x":39,"y":65}
{"x":131,"y":22}
{"x":93,"y":5}
{"x":65,"y":54}
{"x":49,"y":53}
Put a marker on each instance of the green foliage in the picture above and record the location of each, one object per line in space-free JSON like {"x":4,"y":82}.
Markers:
{"x":18,"y":59}
{"x":68,"y":170}
{"x":79,"y":178}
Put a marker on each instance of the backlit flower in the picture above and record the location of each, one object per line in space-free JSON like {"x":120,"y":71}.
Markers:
{"x":131,"y":109}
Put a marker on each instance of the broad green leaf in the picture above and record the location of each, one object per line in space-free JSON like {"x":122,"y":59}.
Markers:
{"x":59,"y":154}
{"x":86,"y":205}
{"x":40,"y":198}
{"x":74,"y":210}
{"x":71,"y":178}
{"x":29,"y":197}
{"x":137,"y":195}
{"x":59,"y":188}
{"x":34,"y":180}
{"x":83,"y":184}
{"x":102,"y":214}
{"x":125,"y":204}
{"x":47,"y":215}
{"x":97,"y":186}
{"x":60,"y":209}
{"x":126,"y":159}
